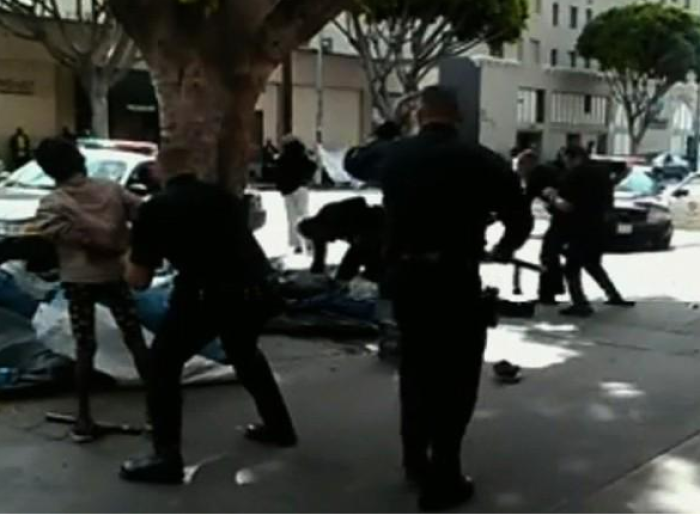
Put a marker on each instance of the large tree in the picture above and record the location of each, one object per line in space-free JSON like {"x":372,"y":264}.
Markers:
{"x":81,"y":35}
{"x":404,"y":40}
{"x":644,"y":50}
{"x":210,"y":61}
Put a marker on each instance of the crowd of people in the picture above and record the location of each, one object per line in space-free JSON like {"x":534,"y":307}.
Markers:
{"x":424,"y":245}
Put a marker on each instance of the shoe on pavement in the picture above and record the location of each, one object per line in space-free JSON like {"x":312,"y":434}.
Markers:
{"x":621,"y":303}
{"x":416,"y":474}
{"x":440,"y":497}
{"x":154,"y":469}
{"x":261,"y":433}
{"x":507,"y":373}
{"x":84,"y":433}
{"x":578,"y":311}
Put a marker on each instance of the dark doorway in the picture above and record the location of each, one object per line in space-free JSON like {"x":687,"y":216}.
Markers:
{"x":133,"y":109}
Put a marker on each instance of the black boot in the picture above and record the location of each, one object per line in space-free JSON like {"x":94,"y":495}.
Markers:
{"x":261,"y":433}
{"x":154,"y":469}
{"x":438,"y":496}
{"x":578,"y":310}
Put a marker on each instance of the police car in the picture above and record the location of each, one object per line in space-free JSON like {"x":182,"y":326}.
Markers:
{"x":22,"y":191}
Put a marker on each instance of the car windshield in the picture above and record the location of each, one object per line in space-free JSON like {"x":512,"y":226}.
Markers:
{"x":32,"y":176}
{"x":639,"y":183}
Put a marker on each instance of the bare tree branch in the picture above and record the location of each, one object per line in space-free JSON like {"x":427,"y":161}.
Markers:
{"x":291,"y":23}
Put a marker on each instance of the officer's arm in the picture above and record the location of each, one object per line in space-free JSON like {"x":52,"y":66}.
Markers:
{"x":319,"y":263}
{"x":511,"y":207}
{"x":351,"y":264}
{"x":145,"y":256}
{"x":365,"y":163}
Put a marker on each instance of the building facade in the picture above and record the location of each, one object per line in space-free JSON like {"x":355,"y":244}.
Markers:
{"x":42,"y":97}
{"x":540,"y":93}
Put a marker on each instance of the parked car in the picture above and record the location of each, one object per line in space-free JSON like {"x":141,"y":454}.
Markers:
{"x":641,"y":219}
{"x":684,"y":201}
{"x":21,"y":193}
{"x":138,"y":147}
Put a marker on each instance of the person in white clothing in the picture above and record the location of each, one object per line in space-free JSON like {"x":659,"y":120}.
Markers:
{"x":293,"y":172}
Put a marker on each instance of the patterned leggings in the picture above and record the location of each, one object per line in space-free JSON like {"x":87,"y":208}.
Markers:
{"x":82,"y":299}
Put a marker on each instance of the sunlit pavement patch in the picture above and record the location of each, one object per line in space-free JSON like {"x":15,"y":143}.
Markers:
{"x":191,"y":471}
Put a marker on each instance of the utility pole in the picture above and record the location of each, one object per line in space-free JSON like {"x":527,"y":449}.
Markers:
{"x":324,"y":45}
{"x":319,"y":89}
{"x":287,"y":95}
{"x":696,"y":128}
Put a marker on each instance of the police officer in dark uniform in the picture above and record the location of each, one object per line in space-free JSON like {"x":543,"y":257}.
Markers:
{"x":439,"y":195}
{"x":584,"y":200}
{"x":202,"y":231}
{"x":538,"y":178}
{"x":358,"y":224}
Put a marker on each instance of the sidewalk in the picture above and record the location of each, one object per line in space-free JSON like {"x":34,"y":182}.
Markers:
{"x":588,"y":430}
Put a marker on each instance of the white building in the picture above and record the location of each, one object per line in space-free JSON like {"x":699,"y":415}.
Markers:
{"x":540,"y":93}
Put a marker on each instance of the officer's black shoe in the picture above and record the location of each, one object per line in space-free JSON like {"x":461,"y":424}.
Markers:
{"x":578,"y":310}
{"x":438,"y":497}
{"x":547,"y":300}
{"x":416,"y":475}
{"x":154,"y":469}
{"x":621,"y":303}
{"x":261,"y":433}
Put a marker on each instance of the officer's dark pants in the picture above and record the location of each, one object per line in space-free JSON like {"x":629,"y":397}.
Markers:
{"x":194,"y":319}
{"x":552,"y":278}
{"x":443,"y":336}
{"x":586,"y":253}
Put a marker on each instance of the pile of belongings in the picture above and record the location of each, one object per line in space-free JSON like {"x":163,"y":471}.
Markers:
{"x":37,"y":348}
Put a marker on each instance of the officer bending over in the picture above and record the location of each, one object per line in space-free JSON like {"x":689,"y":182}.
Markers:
{"x":356,"y":223}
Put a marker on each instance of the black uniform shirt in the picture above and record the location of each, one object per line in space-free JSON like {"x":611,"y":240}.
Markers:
{"x":202,"y":231}
{"x":440,"y":192}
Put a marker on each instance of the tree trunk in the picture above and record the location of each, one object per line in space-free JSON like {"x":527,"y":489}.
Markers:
{"x":212,"y":121}
{"x":407,"y":105}
{"x":209,"y":67}
{"x":635,"y":140}
{"x":97,"y":90}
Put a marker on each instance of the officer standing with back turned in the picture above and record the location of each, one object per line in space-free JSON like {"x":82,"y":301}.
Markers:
{"x":439,"y":194}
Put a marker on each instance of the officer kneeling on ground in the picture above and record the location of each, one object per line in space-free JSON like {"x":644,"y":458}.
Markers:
{"x":439,"y":193}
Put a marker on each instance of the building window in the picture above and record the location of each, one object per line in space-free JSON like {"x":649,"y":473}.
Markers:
{"x":554,"y":57}
{"x":587,"y":64}
{"x":573,"y":57}
{"x":540,"y":106}
{"x":687,"y":4}
{"x":555,"y":14}
{"x":578,"y":109}
{"x":538,"y":6}
{"x":574,"y":17}
{"x":536,"y":48}
{"x":589,"y":15}
{"x":497,"y":51}
{"x":521,"y":50}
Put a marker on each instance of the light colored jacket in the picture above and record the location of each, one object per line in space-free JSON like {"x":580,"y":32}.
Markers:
{"x":88,"y":220}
